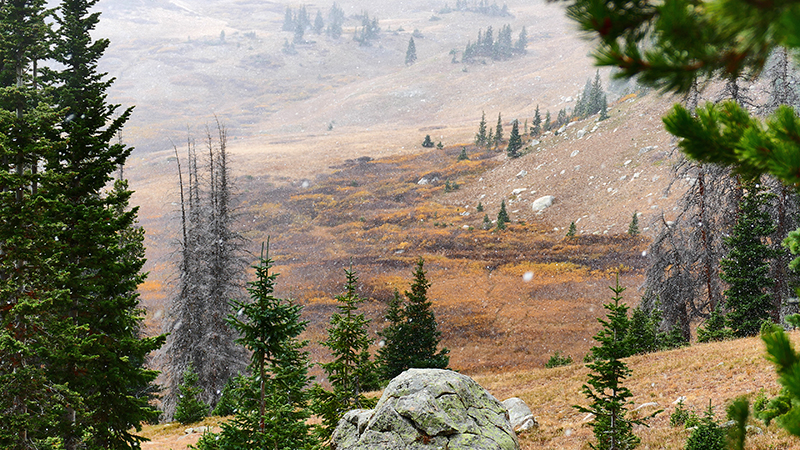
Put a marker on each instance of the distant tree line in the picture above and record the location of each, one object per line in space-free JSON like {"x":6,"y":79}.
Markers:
{"x":480,"y":7}
{"x":502,"y":48}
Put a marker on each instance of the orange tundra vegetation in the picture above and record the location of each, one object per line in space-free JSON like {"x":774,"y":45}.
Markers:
{"x":377,"y":216}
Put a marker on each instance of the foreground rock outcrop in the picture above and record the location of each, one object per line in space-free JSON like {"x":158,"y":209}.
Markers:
{"x":429,"y":409}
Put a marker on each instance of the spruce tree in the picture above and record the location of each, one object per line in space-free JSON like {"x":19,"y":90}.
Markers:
{"x":608,"y":398}
{"x":498,"y":134}
{"x":391,"y":358}
{"x":463,"y":155}
{"x":633,"y":227}
{"x":537,"y":122}
{"x":319,"y":23}
{"x":572,"y":230}
{"x":98,"y":248}
{"x":547,"y":122}
{"x":351,"y":373}
{"x":502,"y":216}
{"x":411,"y":52}
{"x":427,"y":142}
{"x":714,"y":328}
{"x":481,"y":139}
{"x":487,"y":223}
{"x":514,"y":141}
{"x":273,"y":409}
{"x":190,"y":408}
{"x":746,"y":267}
{"x":335,"y":21}
{"x":420,"y":326}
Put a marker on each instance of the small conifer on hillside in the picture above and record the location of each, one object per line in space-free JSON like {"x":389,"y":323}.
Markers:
{"x":746,"y":267}
{"x":537,"y":122}
{"x":479,"y":208}
{"x":633,"y":228}
{"x":481,"y":138}
{"x":502,"y":216}
{"x":427,"y":142}
{"x":190,"y":408}
{"x":608,"y":398}
{"x":411,"y":52}
{"x":514,"y":141}
{"x":412,"y":336}
{"x":487,"y":223}
{"x":572,"y":230}
{"x":351,"y":373}
{"x":498,"y":133}
{"x":463,"y":155}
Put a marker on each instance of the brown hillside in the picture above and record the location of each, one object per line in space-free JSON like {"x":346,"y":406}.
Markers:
{"x":716,"y":372}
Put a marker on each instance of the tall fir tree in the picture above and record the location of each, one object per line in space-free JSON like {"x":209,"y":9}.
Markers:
{"x":97,"y":248}
{"x":391,"y":359}
{"x":420,"y":325}
{"x":746,"y":267}
{"x":351,"y":373}
{"x":481,"y":138}
{"x":514,"y":141}
{"x":502,"y":216}
{"x":608,"y":397}
{"x":274,"y":408}
{"x":537,"y":122}
{"x":498,"y":132}
{"x":411,"y":52}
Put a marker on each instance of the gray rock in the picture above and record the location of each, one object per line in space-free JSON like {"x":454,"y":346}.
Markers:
{"x":542,"y":203}
{"x":424,"y":409}
{"x":519,"y":414}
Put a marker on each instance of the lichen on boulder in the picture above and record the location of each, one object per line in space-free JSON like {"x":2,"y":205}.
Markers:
{"x":429,"y":409}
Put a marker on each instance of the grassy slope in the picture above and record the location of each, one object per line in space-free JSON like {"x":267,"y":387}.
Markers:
{"x":716,"y":372}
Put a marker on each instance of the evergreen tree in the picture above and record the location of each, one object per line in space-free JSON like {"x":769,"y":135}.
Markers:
{"x":351,"y":373}
{"x":479,"y":208}
{"x":490,"y":138}
{"x":391,"y":358}
{"x":582,"y":106}
{"x":427,"y":142}
{"x":633,"y":228}
{"x":420,"y":326}
{"x":412,"y":336}
{"x":707,"y":435}
{"x":547,"y":124}
{"x":514,"y":141}
{"x":572,"y":230}
{"x":411,"y":52}
{"x":190,"y":408}
{"x":481,"y":139}
{"x":714,"y":328}
{"x":522,"y":41}
{"x":288,"y":20}
{"x":502,"y":216}
{"x":319,"y":23}
{"x":463,"y":155}
{"x":498,"y":134}
{"x":607,"y":396}
{"x":746,"y":267}
{"x":537,"y":122}
{"x":100,"y":247}
{"x":273,"y":408}
{"x":487,"y":223}
{"x":335,"y":21}
{"x":228,"y":402}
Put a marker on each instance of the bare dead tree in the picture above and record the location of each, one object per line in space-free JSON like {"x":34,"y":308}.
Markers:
{"x":211,"y":273}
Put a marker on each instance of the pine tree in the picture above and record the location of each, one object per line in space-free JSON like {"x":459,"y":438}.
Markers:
{"x":714,"y":328}
{"x":420,"y":326}
{"x":487,"y":223}
{"x":746,"y":267}
{"x":537,"y":122}
{"x":522,"y":41}
{"x":288,"y":20}
{"x":479,"y":208}
{"x":633,"y":228}
{"x":514,"y":141}
{"x":607,"y":396}
{"x":481,"y":138}
{"x":319,"y":23}
{"x":498,"y":134}
{"x":502,"y":216}
{"x":391,"y":358}
{"x":411,"y":52}
{"x":572,"y":230}
{"x":190,"y":408}
{"x":273,"y":411}
{"x":100,"y":247}
{"x":463,"y":155}
{"x":351,"y":373}
{"x":427,"y":142}
{"x":547,"y":122}
{"x":335,"y":21}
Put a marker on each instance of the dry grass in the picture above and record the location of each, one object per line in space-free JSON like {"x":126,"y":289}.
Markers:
{"x":717,"y":372}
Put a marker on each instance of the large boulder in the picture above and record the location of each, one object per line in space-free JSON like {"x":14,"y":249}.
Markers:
{"x":425,"y":409}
